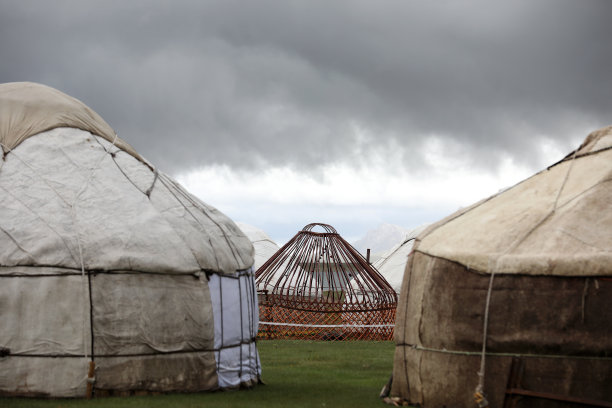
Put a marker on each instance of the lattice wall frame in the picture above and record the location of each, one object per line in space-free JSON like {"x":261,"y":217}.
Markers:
{"x":318,"y":287}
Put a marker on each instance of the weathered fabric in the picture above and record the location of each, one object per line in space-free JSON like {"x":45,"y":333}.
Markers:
{"x":548,"y":243}
{"x":557,"y":222}
{"x":560,"y":326}
{"x":68,"y":196}
{"x":27,"y":109}
{"x":104,"y":259}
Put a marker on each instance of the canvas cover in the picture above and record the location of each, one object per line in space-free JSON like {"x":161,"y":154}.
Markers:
{"x":262,"y":243}
{"x":27,"y":109}
{"x":70,"y":197}
{"x":392,"y":263}
{"x":533,"y":262}
{"x":105,"y":259}
{"x":555,"y":223}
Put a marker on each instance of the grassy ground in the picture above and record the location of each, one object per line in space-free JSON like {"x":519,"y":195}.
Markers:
{"x":297,"y":374}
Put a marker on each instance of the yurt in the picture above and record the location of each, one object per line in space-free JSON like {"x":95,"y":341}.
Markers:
{"x":262,"y":243}
{"x":508,"y":303}
{"x":392,"y":263}
{"x":318,"y":287}
{"x":114,"y":280}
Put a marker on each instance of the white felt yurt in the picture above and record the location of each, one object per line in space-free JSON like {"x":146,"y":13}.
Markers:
{"x":392,"y":263}
{"x":262,"y":243}
{"x":113,"y":278}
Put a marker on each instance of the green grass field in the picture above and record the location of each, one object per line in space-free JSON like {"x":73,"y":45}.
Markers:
{"x":296,"y":374}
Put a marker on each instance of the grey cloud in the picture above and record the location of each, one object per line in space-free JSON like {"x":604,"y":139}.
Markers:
{"x":251,"y":84}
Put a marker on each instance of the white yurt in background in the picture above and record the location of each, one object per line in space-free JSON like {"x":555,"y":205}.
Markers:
{"x":392,"y":263}
{"x":113,"y":278}
{"x":262,"y":243}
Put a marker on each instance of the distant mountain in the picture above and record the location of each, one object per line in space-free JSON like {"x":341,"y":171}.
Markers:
{"x":384,"y":237}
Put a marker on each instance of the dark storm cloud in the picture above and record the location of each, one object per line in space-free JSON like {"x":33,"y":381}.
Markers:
{"x":262,"y":83}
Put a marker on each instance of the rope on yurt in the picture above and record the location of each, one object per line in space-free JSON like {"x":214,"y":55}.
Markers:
{"x":499,"y":354}
{"x":73,"y":210}
{"x":384,"y":261}
{"x":574,"y":156}
{"x":164,"y":179}
{"x":252,"y":326}
{"x":479,"y":396}
{"x":5,"y":151}
{"x":341,"y":326}
{"x":247,"y":275}
{"x":251,"y":302}
{"x":156,"y":176}
{"x":172,"y":192}
{"x":584,"y":295}
{"x":113,"y":155}
{"x":241,"y":327}
{"x":222,"y":321}
{"x":150,"y":189}
{"x":92,"y":365}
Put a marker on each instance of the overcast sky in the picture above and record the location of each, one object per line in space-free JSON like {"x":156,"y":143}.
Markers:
{"x":352,"y":113}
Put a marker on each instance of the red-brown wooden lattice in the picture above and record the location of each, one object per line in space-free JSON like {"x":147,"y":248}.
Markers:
{"x":317,"y":286}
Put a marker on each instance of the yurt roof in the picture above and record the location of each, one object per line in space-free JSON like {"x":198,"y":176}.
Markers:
{"x":263,"y":244}
{"x":255,"y":234}
{"x":392,"y":263}
{"x":74,"y":196}
{"x":28,"y":108}
{"x":557,"y":222}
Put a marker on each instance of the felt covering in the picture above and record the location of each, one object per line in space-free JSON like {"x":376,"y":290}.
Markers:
{"x":27,"y":109}
{"x":556,"y":222}
{"x":105,"y":259}
{"x":541,"y":251}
